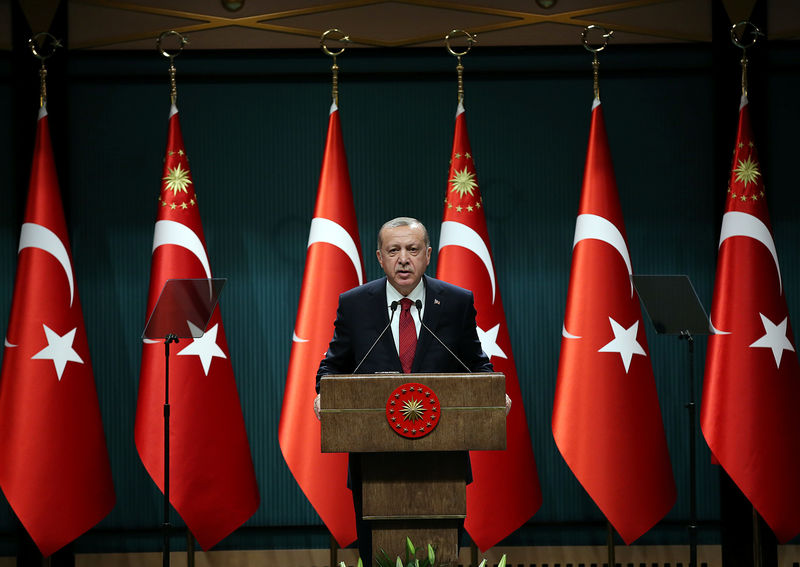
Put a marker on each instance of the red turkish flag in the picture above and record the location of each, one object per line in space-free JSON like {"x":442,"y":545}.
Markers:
{"x":505,"y":490}
{"x":606,"y":418}
{"x":751,"y":392}
{"x":54,"y":467}
{"x":333,"y":265}
{"x":212,"y":482}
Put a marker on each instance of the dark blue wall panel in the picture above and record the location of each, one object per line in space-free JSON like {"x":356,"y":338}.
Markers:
{"x":254,"y":127}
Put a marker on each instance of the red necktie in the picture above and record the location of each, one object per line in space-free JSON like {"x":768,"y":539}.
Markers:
{"x":408,"y":335}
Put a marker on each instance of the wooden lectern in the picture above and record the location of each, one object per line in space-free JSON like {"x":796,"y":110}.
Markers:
{"x":414,"y":470}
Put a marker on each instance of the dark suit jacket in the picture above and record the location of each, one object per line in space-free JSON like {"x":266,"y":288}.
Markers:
{"x":362,"y":315}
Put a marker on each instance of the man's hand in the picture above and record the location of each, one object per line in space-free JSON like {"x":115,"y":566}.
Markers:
{"x":317,"y":406}
{"x":508,"y":405}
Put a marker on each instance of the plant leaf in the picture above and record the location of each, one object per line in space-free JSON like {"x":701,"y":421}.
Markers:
{"x":482,"y":563}
{"x":399,"y":563}
{"x":410,"y":550}
{"x":431,"y":555}
{"x":360,"y":563}
{"x":502,"y":561}
{"x":383,"y":559}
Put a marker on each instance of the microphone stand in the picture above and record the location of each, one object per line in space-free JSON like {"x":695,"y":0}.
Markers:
{"x":418,"y":305}
{"x":170,"y":338}
{"x":393,"y":307}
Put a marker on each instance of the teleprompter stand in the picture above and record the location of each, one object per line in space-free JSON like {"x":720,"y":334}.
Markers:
{"x":674,"y":309}
{"x":183,"y":310}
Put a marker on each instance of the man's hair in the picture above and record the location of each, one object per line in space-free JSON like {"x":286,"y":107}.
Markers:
{"x":404,"y":221}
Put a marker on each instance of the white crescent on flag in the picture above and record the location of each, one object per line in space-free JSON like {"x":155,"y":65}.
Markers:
{"x":329,"y":232}
{"x":36,"y":236}
{"x":178,"y":234}
{"x":171,"y":232}
{"x":325,"y":230}
{"x":457,"y":234}
{"x":735,"y":223}
{"x":599,"y":228}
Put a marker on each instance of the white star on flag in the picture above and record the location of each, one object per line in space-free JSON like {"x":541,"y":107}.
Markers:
{"x":489,"y":342}
{"x":624,"y":342}
{"x":774,"y":338}
{"x":59,"y":350}
{"x":205,"y":347}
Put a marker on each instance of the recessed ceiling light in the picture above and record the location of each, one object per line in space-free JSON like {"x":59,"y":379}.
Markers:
{"x":232,"y":5}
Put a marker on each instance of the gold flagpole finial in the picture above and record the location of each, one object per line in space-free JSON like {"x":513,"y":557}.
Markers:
{"x":43,"y":46}
{"x":182,"y":42}
{"x":606,"y":35}
{"x":471,"y":40}
{"x":738,"y":33}
{"x":343,"y":38}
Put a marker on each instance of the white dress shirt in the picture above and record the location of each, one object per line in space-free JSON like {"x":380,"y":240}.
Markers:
{"x":393,"y":295}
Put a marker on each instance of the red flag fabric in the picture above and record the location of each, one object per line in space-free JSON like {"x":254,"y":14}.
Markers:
{"x":54,"y":467}
{"x":505,"y":490}
{"x":606,"y":417}
{"x":212,"y":481}
{"x":333,"y":265}
{"x":751,"y":391}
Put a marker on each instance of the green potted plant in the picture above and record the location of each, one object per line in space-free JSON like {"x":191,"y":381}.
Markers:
{"x":383,"y":559}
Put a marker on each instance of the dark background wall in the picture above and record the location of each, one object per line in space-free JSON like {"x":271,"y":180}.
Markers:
{"x":254,"y":127}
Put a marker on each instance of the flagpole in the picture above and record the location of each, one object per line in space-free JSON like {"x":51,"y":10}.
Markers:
{"x":170,"y":338}
{"x":334,"y":545}
{"x":612,"y":561}
{"x":737,"y":38}
{"x":596,"y":91}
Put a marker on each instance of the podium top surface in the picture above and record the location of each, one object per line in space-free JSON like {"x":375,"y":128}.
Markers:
{"x":354,"y":412}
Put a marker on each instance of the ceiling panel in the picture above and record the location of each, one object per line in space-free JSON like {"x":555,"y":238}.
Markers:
{"x":298,"y":24}
{"x":5,"y":25}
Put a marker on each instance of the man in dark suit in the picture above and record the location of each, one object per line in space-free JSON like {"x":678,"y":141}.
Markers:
{"x":404,"y":253}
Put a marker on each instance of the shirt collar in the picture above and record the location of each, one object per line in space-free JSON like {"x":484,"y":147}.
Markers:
{"x":417,"y":293}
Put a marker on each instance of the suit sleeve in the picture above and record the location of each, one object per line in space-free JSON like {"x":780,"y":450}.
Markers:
{"x":471,"y":350}
{"x":339,"y":358}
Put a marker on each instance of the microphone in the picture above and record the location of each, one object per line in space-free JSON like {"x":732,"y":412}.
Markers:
{"x":418,"y":305}
{"x":393,"y":307}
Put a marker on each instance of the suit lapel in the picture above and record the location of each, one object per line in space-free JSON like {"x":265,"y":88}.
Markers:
{"x":433,"y":309}
{"x":379,"y":318}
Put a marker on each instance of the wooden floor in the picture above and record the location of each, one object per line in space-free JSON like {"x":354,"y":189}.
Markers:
{"x":539,"y":556}
{"x":633,"y":556}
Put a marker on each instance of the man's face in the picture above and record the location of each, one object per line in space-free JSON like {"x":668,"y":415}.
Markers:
{"x":404,"y":256}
